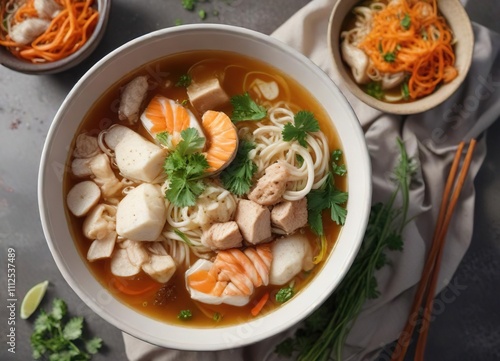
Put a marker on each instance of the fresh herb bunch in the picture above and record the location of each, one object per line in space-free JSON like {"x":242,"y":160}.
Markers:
{"x":60,"y":339}
{"x":304,"y":123}
{"x":245,"y":108}
{"x":325,"y":331}
{"x":237,"y":177}
{"x":185,"y":166}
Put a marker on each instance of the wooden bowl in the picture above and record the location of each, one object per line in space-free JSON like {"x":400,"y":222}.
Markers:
{"x":460,"y":24}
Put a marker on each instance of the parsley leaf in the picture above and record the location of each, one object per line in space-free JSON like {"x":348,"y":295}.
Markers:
{"x":184,"y":81}
{"x":237,"y":177}
{"x":326,"y":197}
{"x":184,"y":168}
{"x":284,"y":294}
{"x":406,"y":22}
{"x":374,"y":89}
{"x":245,"y":108}
{"x":55,"y":339}
{"x":389,"y":57}
{"x":304,"y":122}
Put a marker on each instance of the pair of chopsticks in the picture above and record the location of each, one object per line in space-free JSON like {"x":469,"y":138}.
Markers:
{"x":427,"y":285}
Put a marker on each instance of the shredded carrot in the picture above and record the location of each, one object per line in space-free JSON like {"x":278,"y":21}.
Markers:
{"x":410,"y":36}
{"x":68,"y":31}
{"x":258,"y":307}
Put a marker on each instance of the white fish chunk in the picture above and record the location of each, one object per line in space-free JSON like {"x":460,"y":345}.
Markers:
{"x":141,"y":214}
{"x":222,"y":236}
{"x":86,"y":146}
{"x":121,"y":265}
{"x":291,"y":255}
{"x":132,"y":97}
{"x":28,"y":30}
{"x":99,"y":222}
{"x":102,"y":248}
{"x":104,"y":176}
{"x":115,"y":134}
{"x":47,"y":8}
{"x":136,"y":253}
{"x":82,"y":197}
{"x":161,"y":268}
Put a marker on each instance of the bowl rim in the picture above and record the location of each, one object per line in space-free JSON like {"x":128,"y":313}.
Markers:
{"x":290,"y":313}
{"x":8,"y":60}
{"x":418,"y":106}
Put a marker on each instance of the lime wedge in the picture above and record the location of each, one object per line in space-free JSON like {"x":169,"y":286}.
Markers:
{"x":33,"y":299}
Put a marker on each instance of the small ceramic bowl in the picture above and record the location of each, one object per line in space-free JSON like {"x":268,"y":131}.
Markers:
{"x":460,"y":24}
{"x":8,"y":60}
{"x":157,"y":45}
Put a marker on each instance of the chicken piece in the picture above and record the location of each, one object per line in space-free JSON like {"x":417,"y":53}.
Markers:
{"x":82,"y":197}
{"x":138,"y":158}
{"x":132,"y":97}
{"x":141,"y":214}
{"x":222,"y":236}
{"x":271,"y":186}
{"x":156,"y":248}
{"x":47,"y":9}
{"x":161,"y":268}
{"x":207,"y":95}
{"x":104,"y":176}
{"x":136,"y":253}
{"x":102,"y":248}
{"x":99,"y":222}
{"x":28,"y":30}
{"x":290,"y":215}
{"x":357,"y":60}
{"x":86,"y":146}
{"x":291,"y":254}
{"x":254,"y":221}
{"x":121,"y":265}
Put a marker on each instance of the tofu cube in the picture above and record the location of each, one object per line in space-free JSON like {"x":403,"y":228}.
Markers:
{"x":141,"y":214}
{"x":208,"y":95}
{"x":254,"y":221}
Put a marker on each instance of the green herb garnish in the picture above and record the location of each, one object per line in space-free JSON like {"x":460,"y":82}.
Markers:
{"x":245,"y":108}
{"x":237,"y":177}
{"x":374,"y":89}
{"x":390,"y":57}
{"x":185,"y":167}
{"x":183,"y":236}
{"x":59,"y":338}
{"x":284,"y":294}
{"x":304,"y":122}
{"x":184,"y":81}
{"x":188,"y":4}
{"x":202,"y":14}
{"x":184,"y":315}
{"x":406,"y":22}
{"x":336,"y":168}
{"x":217,"y":317}
{"x":405,"y":90}
{"x":325,"y":331}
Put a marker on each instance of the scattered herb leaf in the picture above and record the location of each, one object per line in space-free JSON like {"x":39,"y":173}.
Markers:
{"x":374,"y":89}
{"x":202,"y":14}
{"x":390,"y":57}
{"x":183,"y":236}
{"x":405,"y":90}
{"x":217,"y":317}
{"x":184,"y":81}
{"x":406,"y":22}
{"x":245,"y":108}
{"x":57,"y":339}
{"x":304,"y":122}
{"x":284,"y":294}
{"x":336,"y":168}
{"x":184,"y":315}
{"x":188,"y":4}
{"x":237,"y":177}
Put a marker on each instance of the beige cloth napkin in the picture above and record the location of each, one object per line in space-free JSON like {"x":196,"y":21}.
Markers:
{"x":431,"y":139}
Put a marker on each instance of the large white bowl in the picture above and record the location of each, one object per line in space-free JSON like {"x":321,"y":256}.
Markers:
{"x":114,"y":67}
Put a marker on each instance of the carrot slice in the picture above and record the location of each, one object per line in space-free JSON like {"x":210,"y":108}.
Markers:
{"x":258,"y":307}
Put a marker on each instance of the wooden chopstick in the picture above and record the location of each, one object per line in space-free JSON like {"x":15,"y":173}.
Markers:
{"x":432,"y":264}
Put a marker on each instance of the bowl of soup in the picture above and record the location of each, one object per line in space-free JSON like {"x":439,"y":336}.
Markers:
{"x":401,"y":57}
{"x":204,"y":187}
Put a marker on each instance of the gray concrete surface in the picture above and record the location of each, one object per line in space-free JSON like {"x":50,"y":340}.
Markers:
{"x":467,"y":329}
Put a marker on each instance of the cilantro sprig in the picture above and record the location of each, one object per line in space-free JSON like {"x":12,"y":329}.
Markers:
{"x":59,"y":338}
{"x":406,"y":22}
{"x":374,"y":89}
{"x":237,"y":177}
{"x":245,"y":108}
{"x":304,"y":122}
{"x":185,"y":167}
